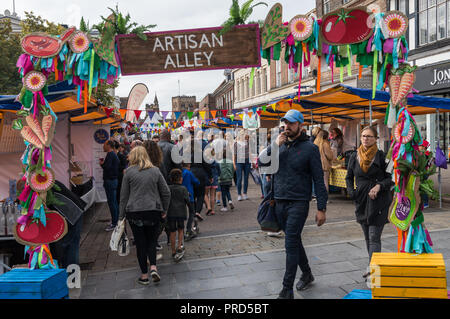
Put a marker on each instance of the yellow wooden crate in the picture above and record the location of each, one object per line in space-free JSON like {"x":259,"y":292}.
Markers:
{"x":404,"y":275}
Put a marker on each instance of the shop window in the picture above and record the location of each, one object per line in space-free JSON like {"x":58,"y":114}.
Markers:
{"x":326,"y":6}
{"x":345,"y":1}
{"x":433,"y":21}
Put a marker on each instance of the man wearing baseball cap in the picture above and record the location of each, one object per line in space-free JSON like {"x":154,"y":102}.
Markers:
{"x":299,"y":166}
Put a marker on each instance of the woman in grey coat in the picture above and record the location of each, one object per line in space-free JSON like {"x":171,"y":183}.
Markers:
{"x":144,"y":200}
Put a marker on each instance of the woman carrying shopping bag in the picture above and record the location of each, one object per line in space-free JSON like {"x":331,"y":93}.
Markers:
{"x":144,"y":200}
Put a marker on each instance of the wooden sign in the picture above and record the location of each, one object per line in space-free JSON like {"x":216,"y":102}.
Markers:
{"x":274,"y":31}
{"x":190,"y":50}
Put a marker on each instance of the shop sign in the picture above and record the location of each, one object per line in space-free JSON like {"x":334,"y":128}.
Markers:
{"x":433,"y":78}
{"x":190,"y":50}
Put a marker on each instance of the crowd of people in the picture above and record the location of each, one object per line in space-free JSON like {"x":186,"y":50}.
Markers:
{"x":159,"y":194}
{"x":155,"y":193}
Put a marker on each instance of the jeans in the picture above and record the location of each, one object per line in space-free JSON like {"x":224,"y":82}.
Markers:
{"x":266,"y":185}
{"x":226,"y":195}
{"x":372,"y":234}
{"x":66,"y":250}
{"x":110,"y":186}
{"x":242,"y":171}
{"x":146,"y":238}
{"x":190,"y":218}
{"x":292,"y":216}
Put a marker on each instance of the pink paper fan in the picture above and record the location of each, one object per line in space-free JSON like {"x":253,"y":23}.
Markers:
{"x":396,"y":23}
{"x":301,"y":27}
{"x":79,"y":42}
{"x":34,"y":81}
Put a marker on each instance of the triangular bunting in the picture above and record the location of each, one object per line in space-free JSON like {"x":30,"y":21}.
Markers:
{"x":259,"y":112}
{"x":123,"y":112}
{"x":274,"y":106}
{"x":241,"y":116}
{"x":191,"y":122}
{"x":177,"y":115}
{"x":224,"y":113}
{"x":232,"y":117}
{"x":213,"y":113}
{"x":164,"y":114}
{"x":137,"y":113}
{"x":202,"y":114}
{"x":189,"y":114}
{"x":264,"y":108}
{"x":150,"y":114}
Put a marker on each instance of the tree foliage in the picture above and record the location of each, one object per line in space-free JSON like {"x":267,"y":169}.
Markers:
{"x":10,"y":51}
{"x":121,"y":24}
{"x":239,"y":15}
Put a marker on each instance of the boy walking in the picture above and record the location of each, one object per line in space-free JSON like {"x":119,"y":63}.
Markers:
{"x":225,"y":181}
{"x":189,"y":180}
{"x":176,"y":214}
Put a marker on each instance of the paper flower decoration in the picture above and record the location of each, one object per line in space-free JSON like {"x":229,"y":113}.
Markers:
{"x":301,"y":27}
{"x":396,"y":23}
{"x":34,"y":81}
{"x":404,"y":139}
{"x":79,"y":42}
{"x":39,"y":183}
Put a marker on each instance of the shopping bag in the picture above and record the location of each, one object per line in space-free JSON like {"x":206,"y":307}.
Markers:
{"x":117,"y":235}
{"x":124,"y":245}
{"x":440,"y":159}
{"x":256,"y":176}
{"x":266,"y":216}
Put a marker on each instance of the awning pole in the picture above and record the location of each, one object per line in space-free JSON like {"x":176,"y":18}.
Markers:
{"x":370,"y":112}
{"x":439,"y":174}
{"x":312,"y":122}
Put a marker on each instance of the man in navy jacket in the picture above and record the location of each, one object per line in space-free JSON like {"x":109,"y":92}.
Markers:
{"x":299,"y":165}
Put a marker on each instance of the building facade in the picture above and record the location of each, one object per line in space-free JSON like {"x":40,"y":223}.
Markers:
{"x":208,"y":103}
{"x":224,"y":95}
{"x":184,"y":104}
{"x":15,"y":20}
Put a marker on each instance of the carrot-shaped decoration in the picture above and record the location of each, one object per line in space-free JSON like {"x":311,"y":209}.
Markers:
{"x":48,"y":127}
{"x":28,"y":134}
{"x":406,"y":84}
{"x":394,"y":85}
{"x":33,"y":123}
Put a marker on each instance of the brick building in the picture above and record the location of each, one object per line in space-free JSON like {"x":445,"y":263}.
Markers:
{"x":208,"y":103}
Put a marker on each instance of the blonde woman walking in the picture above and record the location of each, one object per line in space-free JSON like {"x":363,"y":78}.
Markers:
{"x":144,"y":200}
{"x":326,"y":155}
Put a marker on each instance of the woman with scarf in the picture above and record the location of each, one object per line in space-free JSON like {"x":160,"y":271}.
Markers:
{"x":372,"y":196}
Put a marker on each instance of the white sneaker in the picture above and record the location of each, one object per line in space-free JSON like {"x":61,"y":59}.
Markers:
{"x":159,"y":256}
{"x":239,"y":197}
{"x":224,"y":209}
{"x":231,"y":204}
{"x":272,"y":234}
{"x":245,"y":197}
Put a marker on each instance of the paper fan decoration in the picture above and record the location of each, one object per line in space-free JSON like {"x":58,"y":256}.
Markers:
{"x":34,"y":81}
{"x":404,"y":139}
{"x":79,"y":42}
{"x":34,"y":233}
{"x":39,"y":183}
{"x":396,"y":23}
{"x":301,"y":27}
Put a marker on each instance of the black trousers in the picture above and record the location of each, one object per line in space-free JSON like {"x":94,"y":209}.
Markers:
{"x":145,"y":238}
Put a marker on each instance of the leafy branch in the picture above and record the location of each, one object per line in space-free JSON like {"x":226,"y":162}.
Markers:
{"x":239,"y":15}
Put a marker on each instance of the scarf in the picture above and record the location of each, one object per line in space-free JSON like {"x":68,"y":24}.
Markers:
{"x":366,"y":156}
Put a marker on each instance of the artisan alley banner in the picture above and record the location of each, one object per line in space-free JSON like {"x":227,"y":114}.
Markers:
{"x":189,"y":50}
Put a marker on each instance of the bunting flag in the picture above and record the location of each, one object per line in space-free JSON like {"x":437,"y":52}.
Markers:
{"x":137,"y":113}
{"x":232,"y":117}
{"x":224,"y":113}
{"x":164,"y":114}
{"x":213,"y":113}
{"x":191,"y":122}
{"x":123,"y":112}
{"x":150,"y":114}
{"x":254,"y":109}
{"x":246,"y":110}
{"x":189,"y":114}
{"x":202,"y":114}
{"x":274,"y":106}
{"x":174,"y":124}
{"x":259,"y":112}
{"x":264,"y":108}
{"x":108,"y":111}
{"x":166,"y":124}
{"x":241,"y":116}
{"x":177,"y":115}
{"x":250,"y":113}
{"x":182,"y":123}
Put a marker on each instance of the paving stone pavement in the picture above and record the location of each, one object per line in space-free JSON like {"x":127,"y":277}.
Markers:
{"x":244,"y":264}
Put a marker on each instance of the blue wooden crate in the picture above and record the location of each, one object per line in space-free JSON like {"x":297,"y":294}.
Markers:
{"x":34,"y":284}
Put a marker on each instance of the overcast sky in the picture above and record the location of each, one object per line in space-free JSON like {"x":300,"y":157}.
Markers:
{"x":167,"y":15}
